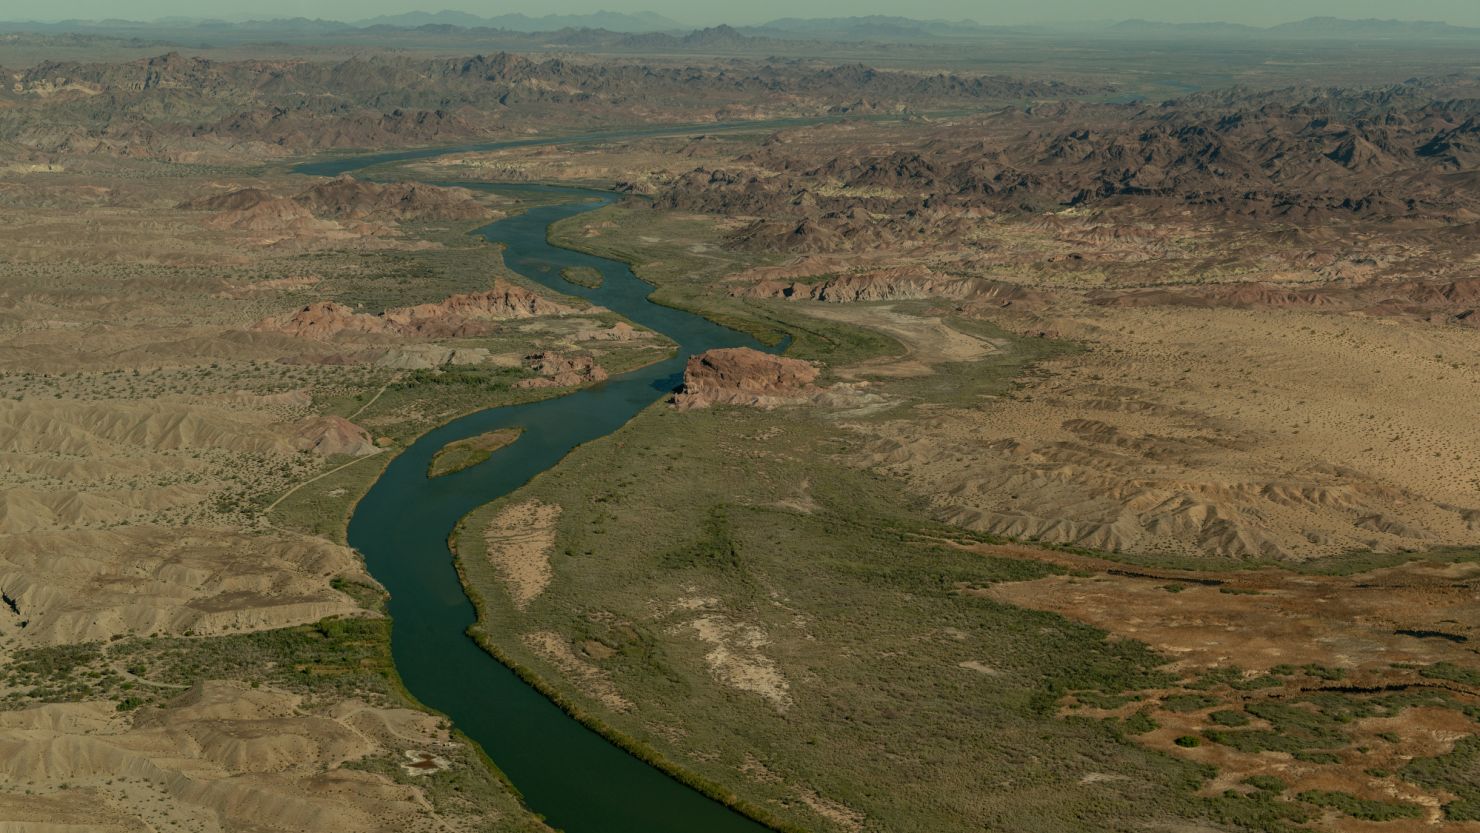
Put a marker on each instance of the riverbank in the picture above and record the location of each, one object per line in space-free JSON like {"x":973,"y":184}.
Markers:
{"x":398,"y":520}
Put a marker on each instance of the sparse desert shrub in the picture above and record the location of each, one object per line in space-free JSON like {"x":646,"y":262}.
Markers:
{"x":1361,"y":808}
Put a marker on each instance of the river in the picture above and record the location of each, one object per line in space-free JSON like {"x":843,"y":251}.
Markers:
{"x":575,"y":778}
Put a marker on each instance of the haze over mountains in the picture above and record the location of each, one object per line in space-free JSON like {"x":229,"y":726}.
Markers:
{"x":879,"y":28}
{"x":633,"y":22}
{"x":1110,"y":469}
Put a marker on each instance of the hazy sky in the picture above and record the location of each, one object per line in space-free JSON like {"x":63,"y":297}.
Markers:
{"x":1264,"y":12}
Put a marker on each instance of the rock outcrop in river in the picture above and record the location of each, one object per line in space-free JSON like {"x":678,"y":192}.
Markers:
{"x":742,"y":376}
{"x":558,"y":371}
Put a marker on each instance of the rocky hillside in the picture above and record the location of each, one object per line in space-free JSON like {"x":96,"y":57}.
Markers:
{"x":189,"y":109}
{"x":468,"y":314}
{"x":1299,"y":155}
{"x":742,"y":376}
{"x":348,"y":198}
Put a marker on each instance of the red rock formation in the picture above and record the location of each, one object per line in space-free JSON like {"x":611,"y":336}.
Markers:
{"x":467,"y":314}
{"x":328,"y":436}
{"x":323,"y":319}
{"x":559,"y":371}
{"x":742,"y":376}
{"x":347,"y":197}
{"x":343,"y":202}
{"x":1308,"y":157}
{"x":504,"y":301}
{"x":1438,"y":301}
{"x":893,"y":284}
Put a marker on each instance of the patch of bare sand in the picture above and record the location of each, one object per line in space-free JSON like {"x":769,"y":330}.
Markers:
{"x":519,"y":542}
{"x":1273,"y":434}
{"x":1368,"y":768}
{"x":1260,"y":620}
{"x":589,"y":677}
{"x":1286,"y":631}
{"x":928,"y":340}
{"x":802,"y":502}
{"x":840,"y":814}
{"x":223,"y":757}
{"x":736,"y":656}
{"x":735,"y":651}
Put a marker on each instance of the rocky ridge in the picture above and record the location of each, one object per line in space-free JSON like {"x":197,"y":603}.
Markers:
{"x":743,"y":376}
{"x":1299,"y":155}
{"x":461,"y":315}
{"x":557,"y":370}
{"x":186,"y":109}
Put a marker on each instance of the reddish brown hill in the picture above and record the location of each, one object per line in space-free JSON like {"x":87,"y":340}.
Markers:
{"x":467,"y":314}
{"x":347,"y":197}
{"x":894,"y":284}
{"x":329,"y":436}
{"x":557,"y":370}
{"x":1447,"y":301}
{"x":471,"y":313}
{"x":322,"y":320}
{"x":742,"y":376}
{"x":1300,"y":157}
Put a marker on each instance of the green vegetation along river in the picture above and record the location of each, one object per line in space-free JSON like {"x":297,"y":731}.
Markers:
{"x":574,"y":777}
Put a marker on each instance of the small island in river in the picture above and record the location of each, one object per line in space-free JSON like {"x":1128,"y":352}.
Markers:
{"x":464,"y":454}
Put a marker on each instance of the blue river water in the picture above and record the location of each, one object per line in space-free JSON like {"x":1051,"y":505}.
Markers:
{"x":575,"y":778}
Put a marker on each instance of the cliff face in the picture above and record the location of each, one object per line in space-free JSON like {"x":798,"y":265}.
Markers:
{"x":742,"y":376}
{"x":459,"y":315}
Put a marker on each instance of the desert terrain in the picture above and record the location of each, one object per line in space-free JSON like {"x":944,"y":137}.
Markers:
{"x":1220,"y":401}
{"x":202,"y":368}
{"x":177,"y":384}
{"x":1098,"y":464}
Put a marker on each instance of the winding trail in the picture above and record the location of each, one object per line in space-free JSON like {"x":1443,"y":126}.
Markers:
{"x":383,"y":389}
{"x":320,"y":476}
{"x":579,"y":781}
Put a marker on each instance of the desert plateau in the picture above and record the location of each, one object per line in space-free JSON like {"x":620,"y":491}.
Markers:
{"x":581,"y":421}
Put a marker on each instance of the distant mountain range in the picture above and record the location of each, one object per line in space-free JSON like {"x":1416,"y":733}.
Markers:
{"x":879,"y":27}
{"x":1314,"y":28}
{"x":634,"y":22}
{"x":638,"y":29}
{"x":872,"y":26}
